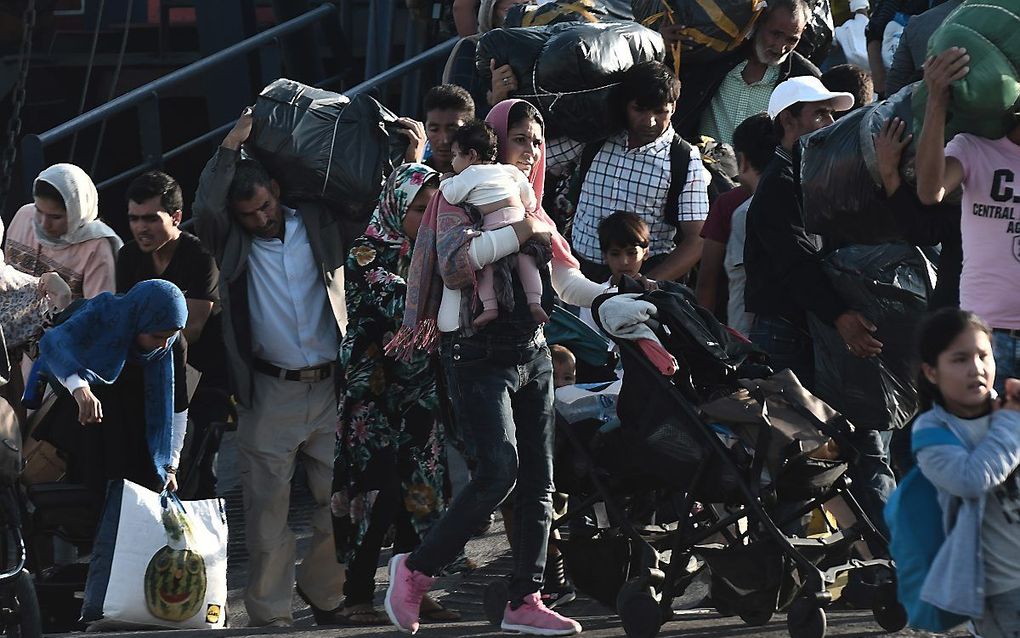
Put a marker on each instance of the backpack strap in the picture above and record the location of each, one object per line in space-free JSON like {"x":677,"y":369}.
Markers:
{"x":679,"y":167}
{"x":932,"y":436}
{"x":588,"y":154}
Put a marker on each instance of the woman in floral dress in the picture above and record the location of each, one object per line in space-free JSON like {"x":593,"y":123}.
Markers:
{"x":390,"y":463}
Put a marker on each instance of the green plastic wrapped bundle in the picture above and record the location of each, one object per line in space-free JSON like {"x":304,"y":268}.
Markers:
{"x":986,"y":101}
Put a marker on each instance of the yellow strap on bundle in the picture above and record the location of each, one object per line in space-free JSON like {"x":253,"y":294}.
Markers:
{"x":719,"y":18}
{"x":581,"y":7}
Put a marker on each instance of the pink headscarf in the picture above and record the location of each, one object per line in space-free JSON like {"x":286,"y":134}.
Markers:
{"x":498,"y":119}
{"x":442,"y":247}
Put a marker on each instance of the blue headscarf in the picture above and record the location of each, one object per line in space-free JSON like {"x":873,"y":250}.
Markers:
{"x":100,"y":338}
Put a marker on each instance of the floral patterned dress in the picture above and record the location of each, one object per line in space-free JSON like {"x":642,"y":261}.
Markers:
{"x":387,"y":423}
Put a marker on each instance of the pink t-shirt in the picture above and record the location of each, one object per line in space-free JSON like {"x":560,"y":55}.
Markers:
{"x":990,"y":225}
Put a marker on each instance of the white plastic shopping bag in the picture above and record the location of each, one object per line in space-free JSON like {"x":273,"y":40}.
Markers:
{"x":157,"y":562}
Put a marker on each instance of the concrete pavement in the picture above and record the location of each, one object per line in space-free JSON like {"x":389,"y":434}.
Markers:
{"x":464,"y":592}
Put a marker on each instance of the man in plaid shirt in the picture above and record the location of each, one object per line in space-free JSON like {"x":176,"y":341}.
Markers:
{"x":631,"y":172}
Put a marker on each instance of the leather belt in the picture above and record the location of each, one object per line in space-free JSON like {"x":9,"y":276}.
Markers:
{"x":305,"y":375}
{"x":1012,"y":333}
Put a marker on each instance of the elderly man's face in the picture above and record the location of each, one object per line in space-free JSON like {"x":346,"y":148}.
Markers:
{"x":778,"y":36}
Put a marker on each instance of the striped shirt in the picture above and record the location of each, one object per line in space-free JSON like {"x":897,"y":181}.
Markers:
{"x":735,"y":101}
{"x":634,"y":180}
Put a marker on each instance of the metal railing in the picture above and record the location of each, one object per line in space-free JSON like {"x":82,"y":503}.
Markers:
{"x":145,"y":99}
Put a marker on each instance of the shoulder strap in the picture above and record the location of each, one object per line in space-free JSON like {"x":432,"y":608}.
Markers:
{"x":588,"y":154}
{"x":931,"y":436}
{"x":679,"y":167}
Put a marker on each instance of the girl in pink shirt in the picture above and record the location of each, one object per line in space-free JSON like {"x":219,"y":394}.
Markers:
{"x":989,"y":172}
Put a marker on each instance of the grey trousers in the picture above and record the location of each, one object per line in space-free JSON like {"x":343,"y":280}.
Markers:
{"x":287,"y":418}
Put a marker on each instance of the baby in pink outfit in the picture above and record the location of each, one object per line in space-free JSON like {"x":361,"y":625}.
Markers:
{"x":504,"y":196}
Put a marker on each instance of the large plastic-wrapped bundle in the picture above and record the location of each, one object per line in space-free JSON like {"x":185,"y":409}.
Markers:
{"x":986,"y":101}
{"x":840,"y":179}
{"x":711,"y":29}
{"x":322,"y":145}
{"x":890,"y":285}
{"x":567,"y":70}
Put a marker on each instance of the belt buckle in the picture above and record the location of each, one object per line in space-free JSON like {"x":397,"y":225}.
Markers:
{"x":308,"y":375}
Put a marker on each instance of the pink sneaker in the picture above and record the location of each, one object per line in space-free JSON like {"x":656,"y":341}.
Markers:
{"x":404,"y":594}
{"x":534,"y":618}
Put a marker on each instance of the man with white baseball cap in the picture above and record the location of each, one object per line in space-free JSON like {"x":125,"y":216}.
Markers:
{"x":785,"y":280}
{"x":784,"y":274}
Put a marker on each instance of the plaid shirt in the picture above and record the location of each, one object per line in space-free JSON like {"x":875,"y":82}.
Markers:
{"x":735,"y":101}
{"x":635,"y":180}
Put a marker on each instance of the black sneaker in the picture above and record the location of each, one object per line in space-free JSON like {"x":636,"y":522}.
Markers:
{"x":486,"y":526}
{"x":558,"y":594}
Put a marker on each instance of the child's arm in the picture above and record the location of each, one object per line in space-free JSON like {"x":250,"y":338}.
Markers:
{"x":455,"y":189}
{"x":936,"y":173}
{"x":969,"y":474}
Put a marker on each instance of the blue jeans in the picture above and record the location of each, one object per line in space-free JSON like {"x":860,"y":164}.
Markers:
{"x":787,"y":346}
{"x":871,"y":478}
{"x":1006,"y":349}
{"x":501,"y":394}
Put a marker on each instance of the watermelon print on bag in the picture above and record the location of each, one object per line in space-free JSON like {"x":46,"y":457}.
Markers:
{"x":175,"y":580}
{"x":157,"y":562}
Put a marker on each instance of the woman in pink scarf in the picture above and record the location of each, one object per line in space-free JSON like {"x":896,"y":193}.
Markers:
{"x":499,"y":381}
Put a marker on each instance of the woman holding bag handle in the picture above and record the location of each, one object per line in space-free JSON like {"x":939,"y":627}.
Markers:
{"x":122,"y":359}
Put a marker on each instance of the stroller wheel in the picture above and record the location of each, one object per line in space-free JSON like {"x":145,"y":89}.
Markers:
{"x":892,"y":617}
{"x":638,"y":608}
{"x":23,"y":619}
{"x":495,"y":601}
{"x":756,"y":618}
{"x":805,"y":619}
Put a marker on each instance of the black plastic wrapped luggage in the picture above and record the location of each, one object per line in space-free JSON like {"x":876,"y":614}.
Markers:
{"x":322,"y":145}
{"x":840,"y":179}
{"x":567,"y":70}
{"x":817,"y":37}
{"x":890,"y":285}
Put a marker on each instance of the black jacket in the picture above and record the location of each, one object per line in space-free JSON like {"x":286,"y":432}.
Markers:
{"x":699,"y":82}
{"x":781,"y":259}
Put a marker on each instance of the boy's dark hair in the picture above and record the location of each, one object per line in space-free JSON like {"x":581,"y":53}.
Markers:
{"x":248,"y":175}
{"x":623,"y":229}
{"x":449,"y":97}
{"x":649,"y":84}
{"x":940,"y":330}
{"x":157,"y":184}
{"x":852,"y":79}
{"x":46,"y":190}
{"x":755,"y":137}
{"x":477,"y":136}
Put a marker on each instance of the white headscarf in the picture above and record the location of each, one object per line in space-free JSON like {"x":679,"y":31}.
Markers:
{"x":81,"y":201}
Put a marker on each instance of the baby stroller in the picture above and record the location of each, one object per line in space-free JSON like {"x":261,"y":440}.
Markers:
{"x":19,"y":608}
{"x":734,"y":451}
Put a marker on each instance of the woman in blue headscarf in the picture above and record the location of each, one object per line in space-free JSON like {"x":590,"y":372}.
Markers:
{"x":121,"y":358}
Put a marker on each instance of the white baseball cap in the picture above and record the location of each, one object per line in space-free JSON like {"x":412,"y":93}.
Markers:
{"x":806,"y":88}
{"x":859,"y":5}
